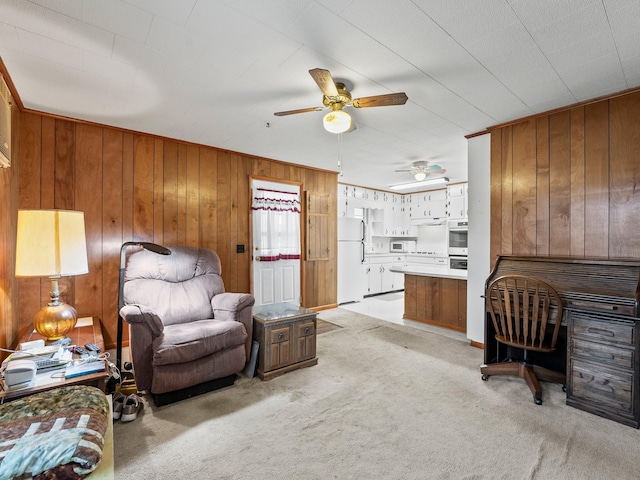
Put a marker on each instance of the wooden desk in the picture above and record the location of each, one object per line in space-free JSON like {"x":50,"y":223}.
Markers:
{"x":600,"y":347}
{"x":87,"y":330}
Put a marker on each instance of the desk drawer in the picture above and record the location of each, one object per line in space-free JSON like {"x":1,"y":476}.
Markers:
{"x":602,"y":353}
{"x":593,"y":328}
{"x":595,"y":385}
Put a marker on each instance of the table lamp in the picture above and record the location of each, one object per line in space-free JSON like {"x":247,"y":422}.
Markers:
{"x":52,"y":243}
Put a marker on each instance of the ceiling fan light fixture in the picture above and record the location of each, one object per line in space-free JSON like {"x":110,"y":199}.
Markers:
{"x":419,"y":176}
{"x":337,"y":121}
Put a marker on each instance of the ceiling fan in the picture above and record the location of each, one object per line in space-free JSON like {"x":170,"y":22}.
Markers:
{"x":421,"y":169}
{"x":336,"y":97}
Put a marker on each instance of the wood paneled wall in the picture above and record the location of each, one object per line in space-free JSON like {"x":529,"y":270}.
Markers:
{"x":144,"y":188}
{"x":567,"y":183}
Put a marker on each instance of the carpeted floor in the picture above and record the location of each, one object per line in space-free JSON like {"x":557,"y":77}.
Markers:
{"x":384,"y":402}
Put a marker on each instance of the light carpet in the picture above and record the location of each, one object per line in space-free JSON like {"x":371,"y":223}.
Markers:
{"x":384,"y":402}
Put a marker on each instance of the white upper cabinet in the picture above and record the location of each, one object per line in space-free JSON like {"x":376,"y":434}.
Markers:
{"x":431,"y":204}
{"x":458,"y":201}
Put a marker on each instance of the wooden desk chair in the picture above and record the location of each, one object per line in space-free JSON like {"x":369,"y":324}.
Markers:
{"x":521,"y":309}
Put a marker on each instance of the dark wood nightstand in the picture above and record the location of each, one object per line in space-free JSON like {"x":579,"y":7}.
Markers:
{"x":287,"y":337}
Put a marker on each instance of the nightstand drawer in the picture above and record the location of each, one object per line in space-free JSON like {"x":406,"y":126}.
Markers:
{"x":305,"y":329}
{"x":279,"y":334}
{"x":612,"y":331}
{"x":602,"y":353}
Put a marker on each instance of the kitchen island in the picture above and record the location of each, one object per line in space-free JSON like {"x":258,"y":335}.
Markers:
{"x":435,"y":294}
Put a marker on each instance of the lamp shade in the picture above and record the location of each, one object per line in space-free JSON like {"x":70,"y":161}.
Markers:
{"x":50,"y":243}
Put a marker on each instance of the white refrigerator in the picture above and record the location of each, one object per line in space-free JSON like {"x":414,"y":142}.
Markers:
{"x":352,"y":277}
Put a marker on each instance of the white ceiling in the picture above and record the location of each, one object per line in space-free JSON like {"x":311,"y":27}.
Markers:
{"x":214,"y":72}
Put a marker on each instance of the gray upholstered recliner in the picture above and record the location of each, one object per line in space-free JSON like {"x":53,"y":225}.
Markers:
{"x":185,"y":331}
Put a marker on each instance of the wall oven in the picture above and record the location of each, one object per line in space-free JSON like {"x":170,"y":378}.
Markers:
{"x":458,"y":235}
{"x":458,"y":263}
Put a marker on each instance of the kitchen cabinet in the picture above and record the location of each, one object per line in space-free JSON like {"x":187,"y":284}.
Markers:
{"x":342,"y":206}
{"x":436,"y":300}
{"x":380,"y":278}
{"x":375,"y":223}
{"x":458,"y":201}
{"x":431,"y":204}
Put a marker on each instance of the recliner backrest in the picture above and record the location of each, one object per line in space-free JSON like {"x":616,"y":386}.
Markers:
{"x":179,"y":287}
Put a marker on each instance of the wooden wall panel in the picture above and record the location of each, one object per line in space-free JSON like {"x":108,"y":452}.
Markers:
{"x":624,"y":196}
{"x":112,"y":225}
{"x":30,"y":179}
{"x":48,"y":164}
{"x":9,"y":182}
{"x":596,"y":208}
{"x":192,"y":220}
{"x":208,"y":194}
{"x":506,"y":175}
{"x":158,"y":191}
{"x":89,"y":178}
{"x":495,"y":246}
{"x":542,"y":186}
{"x":170,"y":193}
{"x":559,"y":184}
{"x":524,"y":188}
{"x":127,"y":187}
{"x":584,"y":187}
{"x":139,"y":187}
{"x":143,"y":161}
{"x":576,"y":247}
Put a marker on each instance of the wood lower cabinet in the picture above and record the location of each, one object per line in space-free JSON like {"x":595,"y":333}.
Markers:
{"x":436,"y":300}
{"x":602,"y":366}
{"x":286,"y":335}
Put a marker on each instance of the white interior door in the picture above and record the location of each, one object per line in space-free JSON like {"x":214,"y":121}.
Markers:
{"x":276,"y":271}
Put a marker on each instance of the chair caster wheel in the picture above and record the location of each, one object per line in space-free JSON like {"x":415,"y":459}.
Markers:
{"x":485,"y":377}
{"x":538,"y":401}
{"x":564,"y":388}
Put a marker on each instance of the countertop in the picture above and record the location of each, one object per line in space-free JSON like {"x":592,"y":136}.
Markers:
{"x":430,"y":271}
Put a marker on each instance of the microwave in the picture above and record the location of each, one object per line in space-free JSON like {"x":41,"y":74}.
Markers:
{"x":402,"y":246}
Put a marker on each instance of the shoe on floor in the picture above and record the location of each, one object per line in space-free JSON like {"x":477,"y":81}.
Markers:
{"x":118,"y":405}
{"x":131,"y":407}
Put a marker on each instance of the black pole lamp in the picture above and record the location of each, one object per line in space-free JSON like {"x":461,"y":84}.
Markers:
{"x":152,"y":247}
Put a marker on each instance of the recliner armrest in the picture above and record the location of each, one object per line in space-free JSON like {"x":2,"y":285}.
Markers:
{"x":226,"y":305}
{"x":142,"y":314}
{"x":236,"y":307}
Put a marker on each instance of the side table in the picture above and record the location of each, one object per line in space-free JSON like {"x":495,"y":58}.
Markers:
{"x":87,"y":330}
{"x":286,"y":334}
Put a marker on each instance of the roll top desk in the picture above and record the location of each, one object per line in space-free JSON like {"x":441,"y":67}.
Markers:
{"x":599,"y":348}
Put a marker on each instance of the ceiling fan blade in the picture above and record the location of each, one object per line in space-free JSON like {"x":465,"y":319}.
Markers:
{"x":381,"y":100}
{"x":302,"y":110}
{"x":405,"y":170}
{"x":325,"y":81}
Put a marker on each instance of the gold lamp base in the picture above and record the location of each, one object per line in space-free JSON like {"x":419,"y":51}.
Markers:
{"x":55,"y":321}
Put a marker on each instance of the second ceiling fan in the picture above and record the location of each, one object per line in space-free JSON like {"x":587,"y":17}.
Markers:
{"x":336,"y":97}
